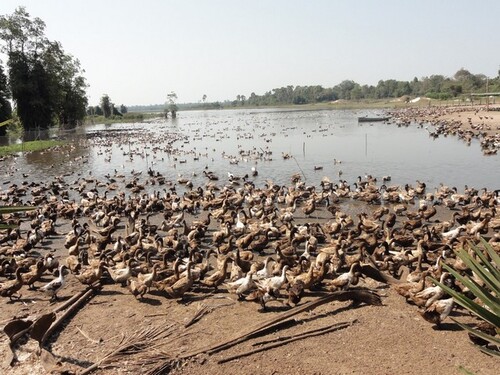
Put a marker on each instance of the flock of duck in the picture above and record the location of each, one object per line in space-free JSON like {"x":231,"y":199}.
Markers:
{"x":479,"y":125}
{"x":260,"y":243}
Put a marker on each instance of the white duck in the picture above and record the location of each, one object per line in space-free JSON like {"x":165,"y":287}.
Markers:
{"x":452,"y":234}
{"x":438,"y":310}
{"x":345,"y":280}
{"x":264,"y":272}
{"x":242,"y":285}
{"x":272,"y":285}
{"x":55,"y":285}
{"x":433,"y":293}
{"x":121,"y":275}
{"x":240,"y":226}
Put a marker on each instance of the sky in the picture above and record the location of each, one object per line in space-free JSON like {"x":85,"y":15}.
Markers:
{"x":139,"y":51}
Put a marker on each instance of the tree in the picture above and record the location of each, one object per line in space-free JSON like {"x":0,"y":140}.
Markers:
{"x":106,"y":106}
{"x":68,"y":85}
{"x":123,"y":109}
{"x":356,"y":93}
{"x":171,"y":105}
{"x":204,"y":98}
{"x":5,"y":108}
{"x":344,"y":89}
{"x":97,"y":110}
{"x":46,"y":84}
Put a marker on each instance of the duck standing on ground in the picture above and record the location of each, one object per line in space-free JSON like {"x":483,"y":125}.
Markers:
{"x":242,"y":285}
{"x":121,"y":275}
{"x":34,"y":274}
{"x":273,"y":285}
{"x":347,"y":279}
{"x":438,"y":311}
{"x":218,"y":277}
{"x":91,"y":275}
{"x":181,"y":286}
{"x":11,"y":287}
{"x":55,"y":285}
{"x":430,"y":294}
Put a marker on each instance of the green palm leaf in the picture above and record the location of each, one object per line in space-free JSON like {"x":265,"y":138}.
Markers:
{"x":485,"y":286}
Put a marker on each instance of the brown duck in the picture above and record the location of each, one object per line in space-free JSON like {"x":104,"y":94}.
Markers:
{"x":181,"y":286}
{"x":9,"y":288}
{"x":34,"y":274}
{"x":218,"y":277}
{"x":91,"y":275}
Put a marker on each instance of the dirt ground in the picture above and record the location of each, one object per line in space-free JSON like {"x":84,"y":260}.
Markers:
{"x":388,"y":339}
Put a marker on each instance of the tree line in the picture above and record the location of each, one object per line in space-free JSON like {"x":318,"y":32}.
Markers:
{"x":45,"y":83}
{"x":434,"y":87}
{"x":108,"y":110}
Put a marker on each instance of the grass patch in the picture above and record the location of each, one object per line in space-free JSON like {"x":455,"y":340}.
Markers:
{"x":29,"y":146}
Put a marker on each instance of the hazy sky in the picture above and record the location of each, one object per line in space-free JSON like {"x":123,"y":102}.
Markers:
{"x":138,"y":51}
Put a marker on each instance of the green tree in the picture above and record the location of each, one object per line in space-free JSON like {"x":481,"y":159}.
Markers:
{"x":432,"y":84}
{"x":123,"y":109}
{"x":415,"y":86}
{"x":46,"y":84}
{"x":94,"y":111}
{"x":171,"y":104}
{"x":344,"y":89}
{"x":356,"y":93}
{"x":403,"y":88}
{"x":68,"y":85}
{"x":106,"y":106}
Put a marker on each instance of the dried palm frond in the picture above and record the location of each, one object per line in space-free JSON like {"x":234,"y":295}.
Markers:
{"x":144,"y":343}
{"x":201,"y":311}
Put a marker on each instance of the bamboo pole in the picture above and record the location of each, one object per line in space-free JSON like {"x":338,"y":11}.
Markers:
{"x":317,"y":332}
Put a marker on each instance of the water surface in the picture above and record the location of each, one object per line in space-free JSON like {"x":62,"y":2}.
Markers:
{"x":320,"y":143}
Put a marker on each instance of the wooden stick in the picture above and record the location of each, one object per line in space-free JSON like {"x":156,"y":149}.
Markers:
{"x":154,"y":315}
{"x":282,"y":338}
{"x":285,"y":342}
{"x":69,"y":311}
{"x":338,"y":295}
{"x":76,"y":297}
{"x":202,"y":310}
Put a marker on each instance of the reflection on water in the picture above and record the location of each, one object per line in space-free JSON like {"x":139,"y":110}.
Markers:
{"x":237,"y":140}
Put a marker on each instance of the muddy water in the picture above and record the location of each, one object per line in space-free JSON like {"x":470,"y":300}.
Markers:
{"x":318,"y":143}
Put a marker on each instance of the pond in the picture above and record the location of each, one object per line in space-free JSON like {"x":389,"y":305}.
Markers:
{"x":277,"y":143}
